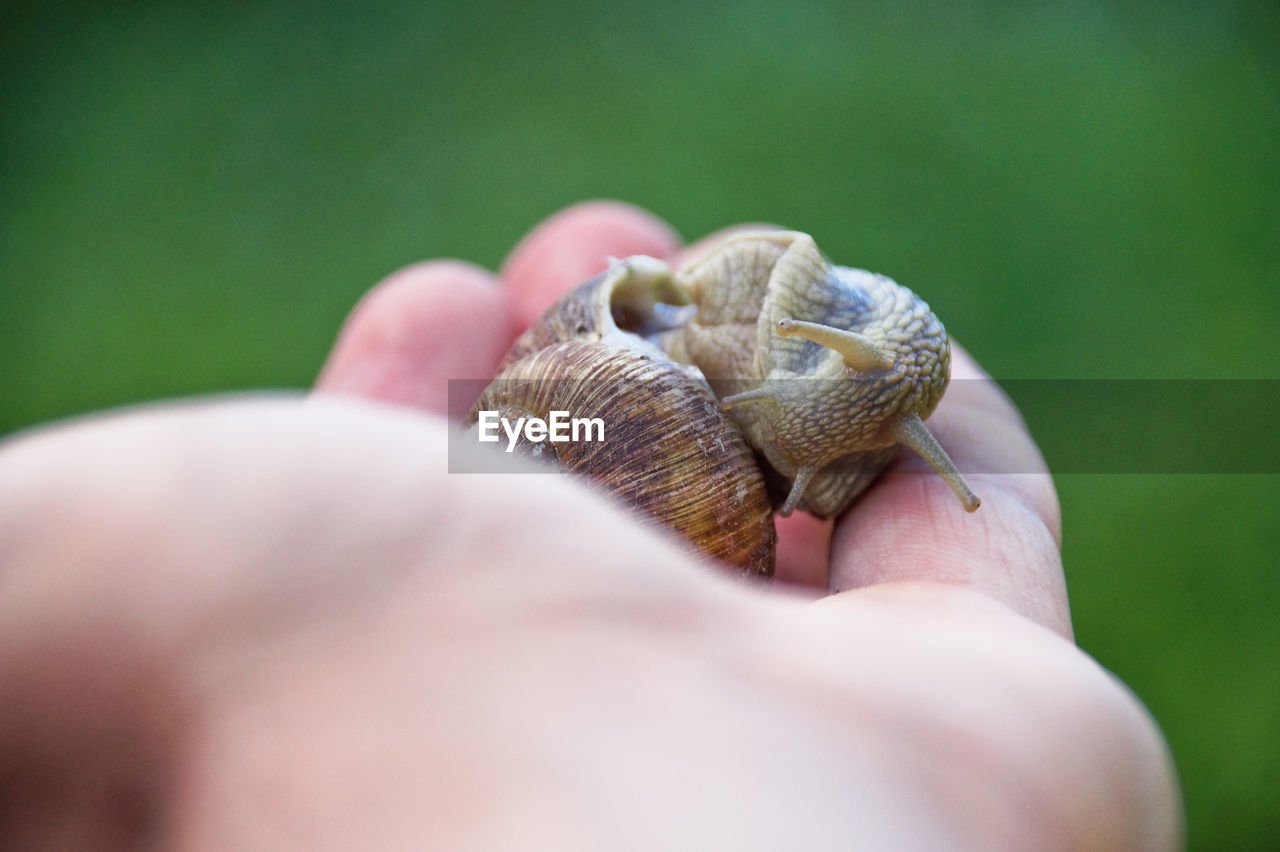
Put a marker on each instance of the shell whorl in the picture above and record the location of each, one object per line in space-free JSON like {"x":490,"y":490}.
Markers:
{"x":670,"y":451}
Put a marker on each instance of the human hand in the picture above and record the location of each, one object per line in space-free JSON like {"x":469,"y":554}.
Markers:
{"x":280,"y":623}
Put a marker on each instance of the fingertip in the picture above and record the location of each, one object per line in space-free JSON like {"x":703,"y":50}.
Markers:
{"x":574,"y":245}
{"x":418,"y":329}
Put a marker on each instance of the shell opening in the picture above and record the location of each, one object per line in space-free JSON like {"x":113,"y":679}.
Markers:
{"x":645,"y":298}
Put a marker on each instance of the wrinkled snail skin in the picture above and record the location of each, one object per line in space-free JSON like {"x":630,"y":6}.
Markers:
{"x":761,"y":353}
{"x":824,"y":368}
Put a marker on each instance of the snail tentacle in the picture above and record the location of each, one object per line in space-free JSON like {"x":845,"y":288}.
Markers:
{"x":803,"y":477}
{"x":858,"y":351}
{"x":912,"y":432}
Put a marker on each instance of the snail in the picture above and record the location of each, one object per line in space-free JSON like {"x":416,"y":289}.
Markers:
{"x":756,"y":378}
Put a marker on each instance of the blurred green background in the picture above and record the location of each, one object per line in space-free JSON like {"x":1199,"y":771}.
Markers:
{"x":193,"y":195}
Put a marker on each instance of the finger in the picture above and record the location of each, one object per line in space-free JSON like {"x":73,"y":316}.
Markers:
{"x":804,"y":551}
{"x":574,"y":245}
{"x":418,"y":329}
{"x":992,"y":438}
{"x":910,"y":526}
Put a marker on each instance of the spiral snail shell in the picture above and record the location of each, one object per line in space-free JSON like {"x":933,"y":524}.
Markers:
{"x":756,"y":377}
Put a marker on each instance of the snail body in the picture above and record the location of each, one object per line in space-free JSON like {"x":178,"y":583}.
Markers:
{"x":826,"y":369}
{"x":759,"y":364}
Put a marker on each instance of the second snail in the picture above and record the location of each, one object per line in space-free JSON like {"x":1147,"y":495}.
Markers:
{"x":759,"y":378}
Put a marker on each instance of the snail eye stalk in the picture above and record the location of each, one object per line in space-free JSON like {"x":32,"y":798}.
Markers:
{"x":859,"y":351}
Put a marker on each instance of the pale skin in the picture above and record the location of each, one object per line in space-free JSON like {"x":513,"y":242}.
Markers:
{"x":280,"y":623}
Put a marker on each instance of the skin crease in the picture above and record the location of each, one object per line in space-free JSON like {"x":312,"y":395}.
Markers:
{"x":279,"y":623}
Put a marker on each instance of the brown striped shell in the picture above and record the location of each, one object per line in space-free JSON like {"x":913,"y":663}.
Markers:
{"x":669,"y":451}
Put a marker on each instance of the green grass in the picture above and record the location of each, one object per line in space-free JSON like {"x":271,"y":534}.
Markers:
{"x":192,"y":197}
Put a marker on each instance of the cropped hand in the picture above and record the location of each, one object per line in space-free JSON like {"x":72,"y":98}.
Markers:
{"x":267,"y":623}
